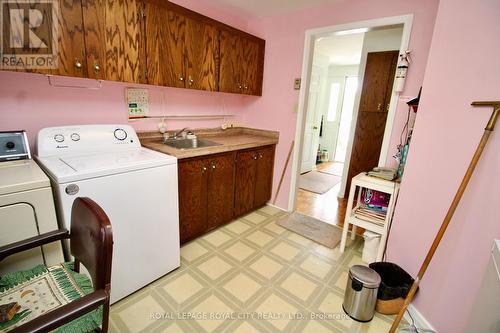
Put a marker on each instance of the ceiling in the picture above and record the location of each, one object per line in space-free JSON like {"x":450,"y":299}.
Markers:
{"x":262,"y":8}
{"x":341,"y":50}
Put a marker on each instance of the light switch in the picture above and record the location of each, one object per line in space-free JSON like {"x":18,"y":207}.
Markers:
{"x":297,"y":84}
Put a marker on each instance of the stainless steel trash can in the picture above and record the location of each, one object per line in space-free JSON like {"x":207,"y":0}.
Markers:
{"x":361,"y":293}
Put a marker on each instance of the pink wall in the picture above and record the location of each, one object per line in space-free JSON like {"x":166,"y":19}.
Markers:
{"x":461,"y":69}
{"x":28,"y":102}
{"x":283,"y":62}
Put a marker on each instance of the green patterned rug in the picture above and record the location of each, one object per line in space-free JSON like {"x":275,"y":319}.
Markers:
{"x":43,"y":289}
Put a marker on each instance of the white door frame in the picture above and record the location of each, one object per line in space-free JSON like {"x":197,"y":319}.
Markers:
{"x":310,"y":36}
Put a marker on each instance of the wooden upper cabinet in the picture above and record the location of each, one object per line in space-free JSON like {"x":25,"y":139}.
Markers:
{"x":101,"y":39}
{"x":71,"y":42}
{"x":182,"y":53}
{"x":231,"y":55}
{"x":164,"y":46}
{"x":94,"y":20}
{"x":241,"y":63}
{"x":252,"y":68}
{"x":155,"y":42}
{"x":124,"y":41}
{"x":201,"y":55}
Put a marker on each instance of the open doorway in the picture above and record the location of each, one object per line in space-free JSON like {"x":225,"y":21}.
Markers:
{"x":350,"y":68}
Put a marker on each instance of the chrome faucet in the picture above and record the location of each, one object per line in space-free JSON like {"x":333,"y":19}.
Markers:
{"x":176,"y":134}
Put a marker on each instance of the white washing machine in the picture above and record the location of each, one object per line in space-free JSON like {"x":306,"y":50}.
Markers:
{"x":136,"y":187}
{"x":26,"y":205}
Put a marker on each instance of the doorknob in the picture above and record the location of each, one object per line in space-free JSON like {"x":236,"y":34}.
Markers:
{"x":315,"y":127}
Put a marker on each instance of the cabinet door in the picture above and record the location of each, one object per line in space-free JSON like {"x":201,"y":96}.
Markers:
{"x":157,"y":45}
{"x":174,"y":70}
{"x":231,"y":54}
{"x":165,"y":33}
{"x":250,"y":67}
{"x":125,"y":58}
{"x":71,"y":43}
{"x":264,"y":177}
{"x":378,"y":80}
{"x":192,"y":199}
{"x":202,"y":49}
{"x":220,"y":190}
{"x":246,"y":173}
{"x":94,"y":23}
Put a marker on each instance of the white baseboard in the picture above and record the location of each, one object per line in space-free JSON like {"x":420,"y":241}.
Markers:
{"x":274,"y":206}
{"x":420,"y":322}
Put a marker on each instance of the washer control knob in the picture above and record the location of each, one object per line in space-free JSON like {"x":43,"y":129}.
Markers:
{"x":59,"y":137}
{"x":120,"y":134}
{"x":75,"y":137}
{"x":10,"y":145}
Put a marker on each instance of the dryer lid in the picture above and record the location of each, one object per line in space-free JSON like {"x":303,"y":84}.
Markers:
{"x":21,"y":176}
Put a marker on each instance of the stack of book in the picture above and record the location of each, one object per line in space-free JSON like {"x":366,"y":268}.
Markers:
{"x":384,"y":173}
{"x":373,"y":215}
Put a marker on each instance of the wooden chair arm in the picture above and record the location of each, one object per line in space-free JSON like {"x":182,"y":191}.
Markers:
{"x":66,"y":313}
{"x":32,"y":242}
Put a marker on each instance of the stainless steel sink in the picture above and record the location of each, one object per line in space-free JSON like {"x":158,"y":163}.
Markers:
{"x":183,"y":144}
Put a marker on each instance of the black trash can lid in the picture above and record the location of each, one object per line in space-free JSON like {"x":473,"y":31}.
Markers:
{"x":365,"y":275}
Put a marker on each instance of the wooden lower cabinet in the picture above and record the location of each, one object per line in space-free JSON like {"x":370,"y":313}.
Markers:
{"x":254,"y":179}
{"x":192,"y":198}
{"x":245,"y":182}
{"x":220,"y":190}
{"x":215,"y":189}
{"x":264,"y":176}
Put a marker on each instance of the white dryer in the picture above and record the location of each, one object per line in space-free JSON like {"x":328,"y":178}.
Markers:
{"x":136,"y":187}
{"x":26,"y":205}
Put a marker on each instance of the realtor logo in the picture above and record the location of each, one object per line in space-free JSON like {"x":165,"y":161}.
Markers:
{"x":29,"y":34}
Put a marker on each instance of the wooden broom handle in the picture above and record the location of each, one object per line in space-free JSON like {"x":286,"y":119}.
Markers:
{"x":454,"y":204}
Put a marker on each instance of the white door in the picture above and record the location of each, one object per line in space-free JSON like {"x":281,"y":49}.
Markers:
{"x":311,"y":131}
{"x":331,"y":119}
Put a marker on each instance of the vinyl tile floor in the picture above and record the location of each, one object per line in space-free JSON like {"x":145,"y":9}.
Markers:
{"x":249,"y":276}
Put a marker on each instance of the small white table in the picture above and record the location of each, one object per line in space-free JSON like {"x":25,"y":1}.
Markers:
{"x":378,"y":226}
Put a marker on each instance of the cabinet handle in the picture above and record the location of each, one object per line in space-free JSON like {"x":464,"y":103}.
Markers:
{"x":181,"y":78}
{"x":97,"y":68}
{"x":379,"y":106}
{"x":213,"y":166}
{"x":190,"y":81}
{"x":246,"y":87}
{"x":78,"y":64}
{"x":255,"y":157}
{"x":240,"y":86}
{"x":260,"y":155}
{"x":203,"y":169}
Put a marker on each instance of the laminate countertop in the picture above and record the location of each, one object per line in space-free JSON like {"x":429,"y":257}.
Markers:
{"x":229,"y":140}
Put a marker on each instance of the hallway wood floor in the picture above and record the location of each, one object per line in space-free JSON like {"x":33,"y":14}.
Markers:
{"x":326,"y":207}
